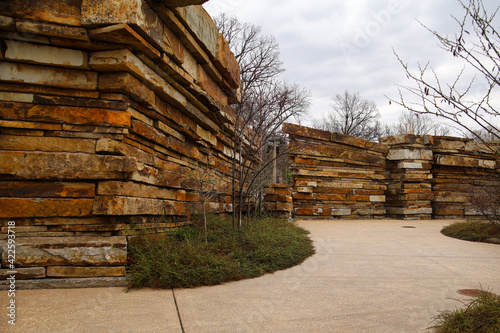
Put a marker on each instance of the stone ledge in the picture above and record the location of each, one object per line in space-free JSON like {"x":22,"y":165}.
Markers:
{"x":104,"y":282}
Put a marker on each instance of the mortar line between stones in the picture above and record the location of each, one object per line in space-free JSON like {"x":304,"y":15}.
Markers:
{"x":178,"y":312}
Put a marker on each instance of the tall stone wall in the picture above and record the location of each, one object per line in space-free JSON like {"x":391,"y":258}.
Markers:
{"x":108,"y":110}
{"x":406,"y":176}
{"x":335,"y":175}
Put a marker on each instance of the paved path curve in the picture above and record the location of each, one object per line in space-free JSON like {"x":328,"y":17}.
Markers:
{"x":367,"y":276}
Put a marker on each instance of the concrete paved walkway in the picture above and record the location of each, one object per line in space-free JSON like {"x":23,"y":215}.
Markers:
{"x":367,"y":276}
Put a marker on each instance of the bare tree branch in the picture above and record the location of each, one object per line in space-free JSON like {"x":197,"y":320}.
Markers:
{"x":473,"y":106}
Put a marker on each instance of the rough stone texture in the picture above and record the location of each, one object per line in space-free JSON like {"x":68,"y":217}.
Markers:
{"x":107,"y":111}
{"x":48,"y":55}
{"x":71,"y":251}
{"x":278,"y":199}
{"x":49,"y":76}
{"x":78,"y":272}
{"x":68,"y":283}
{"x":23,"y":273}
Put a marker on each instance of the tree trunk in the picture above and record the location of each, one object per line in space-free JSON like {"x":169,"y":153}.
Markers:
{"x":205,"y":223}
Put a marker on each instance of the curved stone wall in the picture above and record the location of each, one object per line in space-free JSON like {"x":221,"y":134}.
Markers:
{"x":108,"y":110}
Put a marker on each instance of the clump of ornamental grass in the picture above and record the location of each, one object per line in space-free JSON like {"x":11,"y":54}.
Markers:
{"x":184,"y":258}
{"x":479,"y":315}
{"x":476,"y":231}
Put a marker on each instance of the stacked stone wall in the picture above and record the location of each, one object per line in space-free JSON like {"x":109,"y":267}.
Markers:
{"x":409,"y":176}
{"x":278,"y":199}
{"x":405,"y":177}
{"x":335,"y":175}
{"x":463,"y":170}
{"x":108,"y":110}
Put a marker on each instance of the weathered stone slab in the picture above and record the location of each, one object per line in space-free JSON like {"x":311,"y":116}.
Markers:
{"x":65,"y":221}
{"x":47,"y":55}
{"x":81,"y":102}
{"x":112,"y":205}
{"x":16,"y":207}
{"x":48,"y":29}
{"x":209,"y":85}
{"x":226,"y":63}
{"x":410,"y":154}
{"x":412,"y":211}
{"x":341,"y":211}
{"x":303,"y":131}
{"x":47,"y":144}
{"x":7,"y":23}
{"x":46,"y":190}
{"x":377,"y":198}
{"x":58,"y":283}
{"x":410,"y":165}
{"x":68,"y":251}
{"x":44,"y":90}
{"x":24,"y":229}
{"x":24,"y":37}
{"x":170,"y":131}
{"x":125,"y":61}
{"x":19,"y":165}
{"x":135,"y":13}
{"x":23,"y":273}
{"x":131,"y":189}
{"x":174,"y":48}
{"x":16,"y":97}
{"x":329,"y":197}
{"x":123,"y":33}
{"x":65,"y":12}
{"x":53,"y":77}
{"x":64,"y":114}
{"x":201,"y":25}
{"x":109,"y":146}
{"x":76,"y":272}
{"x":284,"y":206}
{"x":126,"y":83}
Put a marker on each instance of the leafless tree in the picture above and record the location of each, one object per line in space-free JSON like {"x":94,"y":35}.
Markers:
{"x":472,"y":105}
{"x":206,"y":188}
{"x":257,"y":55}
{"x":415,"y":123}
{"x":266,"y":104}
{"x":351,"y":115}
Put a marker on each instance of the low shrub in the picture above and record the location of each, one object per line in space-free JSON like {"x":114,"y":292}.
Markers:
{"x":182,"y":258}
{"x":480,"y":315}
{"x":476,"y":231}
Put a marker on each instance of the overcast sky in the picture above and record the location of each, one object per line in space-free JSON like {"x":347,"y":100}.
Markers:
{"x":328,"y":46}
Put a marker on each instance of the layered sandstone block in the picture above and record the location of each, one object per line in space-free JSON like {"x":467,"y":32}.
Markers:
{"x":278,"y":199}
{"x":409,"y":159}
{"x":464,"y":172}
{"x":107,"y":111}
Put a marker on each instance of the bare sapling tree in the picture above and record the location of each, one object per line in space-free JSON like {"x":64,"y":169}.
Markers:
{"x":265,"y":110}
{"x":206,"y":189}
{"x":266,"y":104}
{"x":417,"y":124}
{"x":352,"y":115}
{"x":472,"y":105}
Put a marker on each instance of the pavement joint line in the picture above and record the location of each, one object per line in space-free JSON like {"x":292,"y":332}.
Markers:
{"x":178,"y":312}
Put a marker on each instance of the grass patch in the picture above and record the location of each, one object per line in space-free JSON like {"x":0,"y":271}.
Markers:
{"x":476,"y":231}
{"x":182,"y":258}
{"x":481,"y":315}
